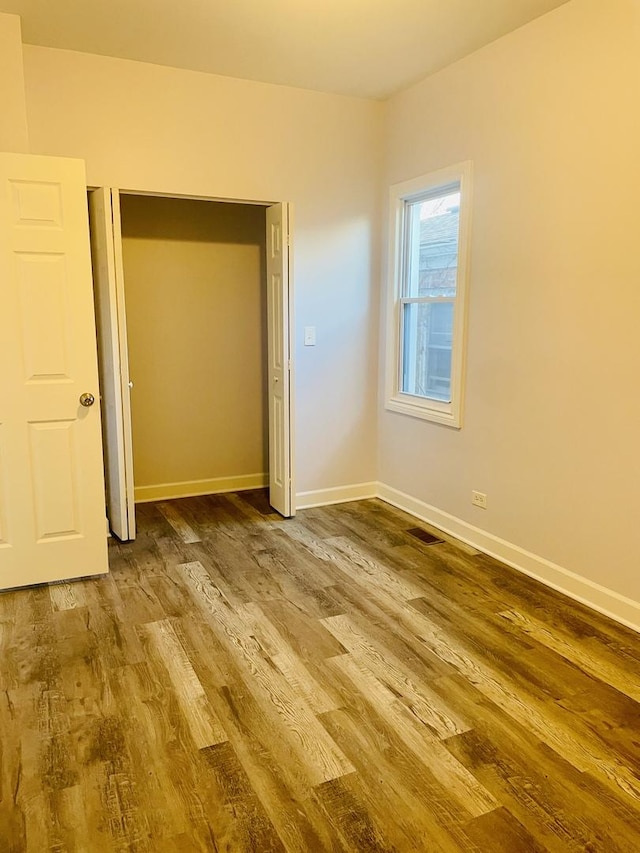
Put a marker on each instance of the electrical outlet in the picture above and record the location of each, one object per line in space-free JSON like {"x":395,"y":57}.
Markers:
{"x":479,"y":499}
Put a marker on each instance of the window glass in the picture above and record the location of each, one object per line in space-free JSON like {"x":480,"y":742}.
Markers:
{"x":428,"y":338}
{"x":432,"y":230}
{"x":433,"y":227}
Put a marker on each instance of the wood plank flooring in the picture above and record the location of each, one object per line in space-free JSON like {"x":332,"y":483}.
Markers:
{"x":242,"y":682}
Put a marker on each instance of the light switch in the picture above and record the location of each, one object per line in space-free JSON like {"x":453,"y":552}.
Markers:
{"x":309,"y":336}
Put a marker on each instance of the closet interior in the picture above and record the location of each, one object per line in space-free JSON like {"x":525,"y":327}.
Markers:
{"x":196,"y":335}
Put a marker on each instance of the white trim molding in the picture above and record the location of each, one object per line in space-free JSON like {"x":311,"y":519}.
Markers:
{"x":194,"y":488}
{"x":337,"y":495}
{"x":593,"y":595}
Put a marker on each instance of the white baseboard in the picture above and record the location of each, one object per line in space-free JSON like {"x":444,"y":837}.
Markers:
{"x":338,"y":495}
{"x":193,"y":488}
{"x":595,"y":596}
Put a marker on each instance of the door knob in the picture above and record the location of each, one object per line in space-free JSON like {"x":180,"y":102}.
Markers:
{"x":87,"y":399}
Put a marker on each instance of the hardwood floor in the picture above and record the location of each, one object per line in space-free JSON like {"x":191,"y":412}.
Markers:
{"x":242,"y":682}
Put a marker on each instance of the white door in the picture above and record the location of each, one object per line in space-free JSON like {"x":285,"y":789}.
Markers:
{"x":52,"y":508}
{"x":279,"y":354}
{"x":106,"y":251}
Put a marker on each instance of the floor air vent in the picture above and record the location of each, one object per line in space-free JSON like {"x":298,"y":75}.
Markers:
{"x":424,"y":536}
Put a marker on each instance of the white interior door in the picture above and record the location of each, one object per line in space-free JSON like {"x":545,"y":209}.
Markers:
{"x":52,"y":507}
{"x":106,"y":251}
{"x":279,"y":354}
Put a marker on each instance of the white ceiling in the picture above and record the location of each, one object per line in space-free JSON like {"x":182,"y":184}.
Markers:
{"x":369,"y":48}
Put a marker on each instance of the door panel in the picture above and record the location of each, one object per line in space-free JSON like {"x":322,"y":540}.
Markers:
{"x":3,"y":489}
{"x":123,"y":344}
{"x":42,"y":283}
{"x":106,"y":251}
{"x":36,"y":203}
{"x":280,"y":480}
{"x":52,"y":514}
{"x":53,"y":451}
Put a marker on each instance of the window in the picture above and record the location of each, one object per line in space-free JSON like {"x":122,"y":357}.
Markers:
{"x":427,"y":294}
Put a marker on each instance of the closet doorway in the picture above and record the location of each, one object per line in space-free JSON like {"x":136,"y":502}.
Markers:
{"x":193,"y":307}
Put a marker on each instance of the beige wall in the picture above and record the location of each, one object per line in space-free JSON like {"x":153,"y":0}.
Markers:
{"x":13,"y":112}
{"x":140,"y":126}
{"x":196,"y":316}
{"x":550,"y":117}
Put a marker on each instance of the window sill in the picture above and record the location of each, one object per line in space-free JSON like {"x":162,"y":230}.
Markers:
{"x":418,"y":408}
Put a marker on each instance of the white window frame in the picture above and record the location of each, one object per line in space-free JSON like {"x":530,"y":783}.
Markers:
{"x":449,"y":413}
